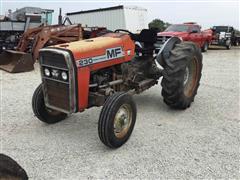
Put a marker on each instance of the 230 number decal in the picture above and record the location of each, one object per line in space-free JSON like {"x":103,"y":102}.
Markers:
{"x":85,"y":62}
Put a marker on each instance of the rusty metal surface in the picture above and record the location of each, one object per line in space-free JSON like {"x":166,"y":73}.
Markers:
{"x":36,"y":38}
{"x":33,"y":40}
{"x":122,"y":121}
{"x":49,"y":35}
{"x":192,"y":74}
{"x":14,"y":61}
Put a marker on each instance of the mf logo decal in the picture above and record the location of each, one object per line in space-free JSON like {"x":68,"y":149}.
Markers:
{"x":112,"y":53}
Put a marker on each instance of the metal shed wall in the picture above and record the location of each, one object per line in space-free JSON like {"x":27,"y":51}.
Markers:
{"x":135,"y":18}
{"x":119,"y":17}
{"x":112,"y":19}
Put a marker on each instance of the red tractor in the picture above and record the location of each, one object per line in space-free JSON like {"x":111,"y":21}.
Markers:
{"x":106,"y":71}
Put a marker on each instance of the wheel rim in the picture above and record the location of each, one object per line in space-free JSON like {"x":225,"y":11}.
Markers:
{"x":186,"y":76}
{"x":122,"y":121}
{"x":190,"y":78}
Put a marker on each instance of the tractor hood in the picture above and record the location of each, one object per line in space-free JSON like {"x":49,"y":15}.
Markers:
{"x":111,"y":46}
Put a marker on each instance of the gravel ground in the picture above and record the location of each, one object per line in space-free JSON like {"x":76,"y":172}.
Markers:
{"x":200,"y":142}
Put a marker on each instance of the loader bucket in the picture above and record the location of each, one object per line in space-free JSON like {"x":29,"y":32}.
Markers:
{"x":16,"y":61}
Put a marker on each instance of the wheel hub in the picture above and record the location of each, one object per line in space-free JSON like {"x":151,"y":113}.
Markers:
{"x":122,"y":121}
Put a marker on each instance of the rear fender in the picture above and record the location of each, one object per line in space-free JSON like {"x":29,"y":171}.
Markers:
{"x":164,"y":52}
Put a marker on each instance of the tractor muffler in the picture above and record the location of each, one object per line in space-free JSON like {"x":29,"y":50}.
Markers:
{"x":16,"y":61}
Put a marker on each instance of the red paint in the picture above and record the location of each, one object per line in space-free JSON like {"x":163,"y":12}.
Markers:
{"x":83,"y":77}
{"x":199,"y":37}
{"x":97,"y":47}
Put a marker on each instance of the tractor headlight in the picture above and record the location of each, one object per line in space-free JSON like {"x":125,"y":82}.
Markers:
{"x":47,"y":72}
{"x":64,"y":75}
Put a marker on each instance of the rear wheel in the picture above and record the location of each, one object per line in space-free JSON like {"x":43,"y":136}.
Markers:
{"x":117,"y":120}
{"x":181,"y":75}
{"x":43,"y":113}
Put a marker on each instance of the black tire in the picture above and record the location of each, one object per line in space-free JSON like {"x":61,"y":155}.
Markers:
{"x":177,"y":91}
{"x":205,"y":47}
{"x":106,"y":121}
{"x":43,"y":113}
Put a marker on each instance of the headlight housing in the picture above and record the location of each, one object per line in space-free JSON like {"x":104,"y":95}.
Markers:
{"x":47,"y":72}
{"x":64,"y":75}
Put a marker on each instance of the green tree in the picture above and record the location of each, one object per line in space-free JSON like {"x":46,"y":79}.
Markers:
{"x":158,"y":24}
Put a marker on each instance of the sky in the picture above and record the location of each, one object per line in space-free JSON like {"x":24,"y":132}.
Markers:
{"x":205,"y":12}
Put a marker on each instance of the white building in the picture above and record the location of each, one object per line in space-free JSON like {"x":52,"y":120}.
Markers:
{"x":131,"y":18}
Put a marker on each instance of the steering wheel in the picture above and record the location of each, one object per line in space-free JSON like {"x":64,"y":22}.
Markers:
{"x":132,"y":35}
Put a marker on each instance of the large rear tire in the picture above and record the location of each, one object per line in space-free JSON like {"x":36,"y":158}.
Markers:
{"x":43,"y":113}
{"x":117,"y":120}
{"x":181,"y":75}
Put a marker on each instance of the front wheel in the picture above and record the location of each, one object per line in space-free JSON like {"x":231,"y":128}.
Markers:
{"x":181,"y":75}
{"x":43,"y":113}
{"x":117,"y":120}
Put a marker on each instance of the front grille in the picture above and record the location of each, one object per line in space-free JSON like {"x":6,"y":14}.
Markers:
{"x":162,"y":39}
{"x":58,"y":93}
{"x":53,"y":59}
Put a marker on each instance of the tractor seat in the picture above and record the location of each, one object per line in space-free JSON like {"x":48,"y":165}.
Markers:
{"x":147,"y":38}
